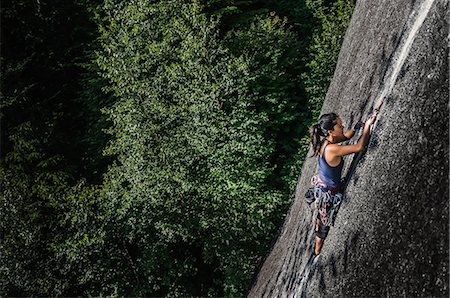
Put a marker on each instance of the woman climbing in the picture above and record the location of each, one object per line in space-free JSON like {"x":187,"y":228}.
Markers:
{"x":325,"y":138}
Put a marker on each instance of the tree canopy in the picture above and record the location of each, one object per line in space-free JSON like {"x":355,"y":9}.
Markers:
{"x":150,"y":148}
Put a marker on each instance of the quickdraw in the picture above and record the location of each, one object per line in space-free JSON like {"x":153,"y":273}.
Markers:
{"x":327,"y":200}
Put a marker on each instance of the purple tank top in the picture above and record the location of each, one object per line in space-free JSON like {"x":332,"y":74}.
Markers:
{"x":331,"y":176}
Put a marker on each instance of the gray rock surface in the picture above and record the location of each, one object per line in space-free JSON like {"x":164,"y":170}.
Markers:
{"x":391,"y":235}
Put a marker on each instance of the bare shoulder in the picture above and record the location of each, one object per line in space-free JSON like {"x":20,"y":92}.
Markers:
{"x":332,"y":148}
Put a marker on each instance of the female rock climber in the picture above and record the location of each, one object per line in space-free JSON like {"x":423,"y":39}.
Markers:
{"x":325,"y":138}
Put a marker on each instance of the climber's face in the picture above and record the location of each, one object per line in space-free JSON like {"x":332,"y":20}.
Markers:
{"x":338,"y":129}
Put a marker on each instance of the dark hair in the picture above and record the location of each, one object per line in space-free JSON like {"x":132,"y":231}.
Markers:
{"x":320,"y":129}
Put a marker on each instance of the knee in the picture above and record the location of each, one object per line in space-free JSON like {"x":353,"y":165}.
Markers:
{"x":322,"y":232}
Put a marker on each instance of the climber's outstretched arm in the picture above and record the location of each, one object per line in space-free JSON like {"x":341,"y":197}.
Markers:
{"x":359,"y":146}
{"x":348,"y":134}
{"x":351,"y":132}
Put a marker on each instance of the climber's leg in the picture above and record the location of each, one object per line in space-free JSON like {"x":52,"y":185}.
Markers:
{"x":319,"y":244}
{"x":321,"y":233}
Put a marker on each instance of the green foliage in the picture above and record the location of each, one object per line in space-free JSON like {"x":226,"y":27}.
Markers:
{"x":273,"y":54}
{"x":42,"y":138}
{"x":324,"y":50}
{"x":191,"y":158}
{"x":43,"y":53}
{"x":31,"y":184}
{"x":92,"y":98}
{"x":239,"y":15}
{"x":201,"y":113}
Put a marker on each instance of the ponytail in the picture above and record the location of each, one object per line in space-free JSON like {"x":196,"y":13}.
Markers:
{"x":316,"y":134}
{"x":320,"y":130}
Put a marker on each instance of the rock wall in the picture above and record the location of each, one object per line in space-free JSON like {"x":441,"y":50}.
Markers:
{"x":391,"y":235}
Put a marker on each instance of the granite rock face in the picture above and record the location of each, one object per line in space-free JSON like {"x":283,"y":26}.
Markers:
{"x":391,"y":235}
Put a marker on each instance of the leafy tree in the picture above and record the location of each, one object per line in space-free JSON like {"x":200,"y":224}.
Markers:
{"x":205,"y":111}
{"x":273,"y":54}
{"x":186,"y":197}
{"x":237,"y":15}
{"x":42,"y":137}
{"x":31,"y":183}
{"x":333,"y":18}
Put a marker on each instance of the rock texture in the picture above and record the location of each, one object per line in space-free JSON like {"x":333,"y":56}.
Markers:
{"x":391,"y":235}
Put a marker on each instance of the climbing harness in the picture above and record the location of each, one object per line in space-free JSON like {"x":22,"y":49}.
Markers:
{"x":327,"y":200}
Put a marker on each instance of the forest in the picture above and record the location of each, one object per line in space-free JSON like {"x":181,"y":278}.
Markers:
{"x":151,"y":148}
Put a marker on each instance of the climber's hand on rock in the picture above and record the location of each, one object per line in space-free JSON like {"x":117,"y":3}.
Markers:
{"x":371,"y":119}
{"x":377,"y":111}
